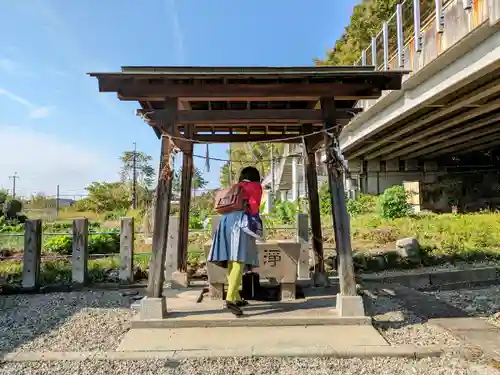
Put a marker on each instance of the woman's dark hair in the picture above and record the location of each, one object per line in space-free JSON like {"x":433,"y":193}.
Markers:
{"x":250,"y":173}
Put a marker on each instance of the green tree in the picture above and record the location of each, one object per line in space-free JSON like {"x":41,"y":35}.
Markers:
{"x":144,"y":171}
{"x":198,"y":181}
{"x":366,"y":21}
{"x":105,"y":196}
{"x":3,"y":195}
{"x":250,"y":154}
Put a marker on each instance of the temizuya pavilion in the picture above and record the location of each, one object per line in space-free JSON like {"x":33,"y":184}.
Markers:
{"x":185,"y":105}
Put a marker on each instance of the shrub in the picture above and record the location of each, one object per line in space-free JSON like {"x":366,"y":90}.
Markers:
{"x":108,"y":243}
{"x":115,"y":215}
{"x":67,"y":226}
{"x":285,"y":211}
{"x":105,"y":243}
{"x":195,"y":222}
{"x":364,"y":204}
{"x":59,"y":244}
{"x":393,"y":204}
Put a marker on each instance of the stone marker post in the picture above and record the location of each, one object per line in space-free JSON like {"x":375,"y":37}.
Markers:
{"x":32,"y":254}
{"x":80,"y":254}
{"x":126,"y":273}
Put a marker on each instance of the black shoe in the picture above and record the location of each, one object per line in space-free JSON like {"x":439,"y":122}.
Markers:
{"x":234,"y":309}
{"x":241,"y":303}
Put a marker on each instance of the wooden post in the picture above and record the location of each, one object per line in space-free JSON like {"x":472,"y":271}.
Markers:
{"x":340,"y":216}
{"x":303,"y":239}
{"x":80,"y":254}
{"x":185,"y":201}
{"x":162,"y":214}
{"x":32,"y":253}
{"x":126,"y":274}
{"x":313,"y":197}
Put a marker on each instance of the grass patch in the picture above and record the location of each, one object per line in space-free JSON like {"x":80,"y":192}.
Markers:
{"x":443,"y":238}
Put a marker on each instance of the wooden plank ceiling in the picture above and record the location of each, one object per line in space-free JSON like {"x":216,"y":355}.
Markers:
{"x":245,"y":104}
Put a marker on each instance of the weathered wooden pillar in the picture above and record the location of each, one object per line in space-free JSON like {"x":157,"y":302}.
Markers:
{"x":155,"y":306}
{"x":311,"y":175}
{"x":180,"y":277}
{"x":348,"y":302}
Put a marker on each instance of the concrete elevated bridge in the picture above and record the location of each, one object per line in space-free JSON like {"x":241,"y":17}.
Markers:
{"x":450,"y":102}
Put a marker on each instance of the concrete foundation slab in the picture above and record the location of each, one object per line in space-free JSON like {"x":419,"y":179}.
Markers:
{"x":318,"y":308}
{"x":403,"y":351}
{"x":350,"y":306}
{"x":185,"y":339}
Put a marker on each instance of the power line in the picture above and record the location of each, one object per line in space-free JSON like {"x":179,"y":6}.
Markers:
{"x":14,"y":178}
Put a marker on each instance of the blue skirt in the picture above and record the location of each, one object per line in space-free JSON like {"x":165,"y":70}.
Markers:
{"x":231,"y":243}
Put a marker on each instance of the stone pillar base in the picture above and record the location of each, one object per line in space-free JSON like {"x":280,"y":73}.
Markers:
{"x":179,"y":280}
{"x":350,"y":305}
{"x":216,"y":291}
{"x":153,"y":308}
{"x":288,"y":291}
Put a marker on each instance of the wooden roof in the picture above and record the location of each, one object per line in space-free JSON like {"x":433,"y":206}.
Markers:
{"x":224,"y":104}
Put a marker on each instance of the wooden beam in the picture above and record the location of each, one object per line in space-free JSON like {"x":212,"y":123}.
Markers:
{"x":248,"y":116}
{"x":230,"y":138}
{"x":313,"y":197}
{"x":340,"y":216}
{"x":140,"y":90}
{"x":156,"y":275}
{"x":185,"y":202}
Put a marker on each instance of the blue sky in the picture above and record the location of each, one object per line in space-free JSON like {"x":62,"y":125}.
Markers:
{"x":56,"y":128}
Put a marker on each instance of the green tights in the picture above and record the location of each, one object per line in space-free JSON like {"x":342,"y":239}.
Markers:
{"x":234,"y":276}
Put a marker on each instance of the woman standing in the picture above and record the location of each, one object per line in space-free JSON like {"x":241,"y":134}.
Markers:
{"x":234,"y":249}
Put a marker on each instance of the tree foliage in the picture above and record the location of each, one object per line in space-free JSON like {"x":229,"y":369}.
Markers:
{"x":105,"y":196}
{"x":144,"y":171}
{"x":198,"y":181}
{"x":250,"y":154}
{"x":366,"y":21}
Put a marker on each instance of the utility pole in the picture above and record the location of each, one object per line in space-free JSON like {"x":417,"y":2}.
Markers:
{"x":14,"y":178}
{"x":57,"y":201}
{"x":134,"y":178}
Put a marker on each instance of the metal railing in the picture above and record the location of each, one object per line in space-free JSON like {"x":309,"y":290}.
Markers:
{"x":387,"y":49}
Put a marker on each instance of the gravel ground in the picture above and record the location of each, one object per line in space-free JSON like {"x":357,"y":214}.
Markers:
{"x":76,"y":321}
{"x":400,"y":326}
{"x":253,"y":366}
{"x":480,"y":301}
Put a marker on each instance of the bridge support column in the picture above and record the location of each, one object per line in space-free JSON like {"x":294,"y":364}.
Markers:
{"x":295,"y":178}
{"x":430,"y":166}
{"x":372,"y":177}
{"x":352,"y":181}
{"x":392,"y":165}
{"x":411,"y":165}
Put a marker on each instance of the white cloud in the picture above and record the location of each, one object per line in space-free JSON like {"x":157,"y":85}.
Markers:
{"x":34,"y":110}
{"x":44,"y":161}
{"x":40,"y":112}
{"x":8,"y":66}
{"x":172,"y":12}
